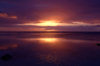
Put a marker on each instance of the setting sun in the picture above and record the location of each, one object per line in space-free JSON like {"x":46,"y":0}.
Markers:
{"x":45,"y":23}
{"x":48,"y":23}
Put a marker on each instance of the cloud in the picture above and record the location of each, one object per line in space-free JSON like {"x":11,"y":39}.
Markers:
{"x":20,"y":28}
{"x":5,"y":15}
{"x":70,"y":12}
{"x":91,"y":28}
{"x":53,"y":23}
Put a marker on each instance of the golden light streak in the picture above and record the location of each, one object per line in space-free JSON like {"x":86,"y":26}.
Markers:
{"x":51,"y":23}
{"x":43,"y":23}
{"x":48,"y":23}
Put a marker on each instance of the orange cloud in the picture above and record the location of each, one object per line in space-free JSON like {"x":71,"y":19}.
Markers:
{"x":5,"y":15}
{"x":21,"y":29}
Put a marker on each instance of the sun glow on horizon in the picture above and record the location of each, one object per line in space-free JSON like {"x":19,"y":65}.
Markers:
{"x":48,"y":23}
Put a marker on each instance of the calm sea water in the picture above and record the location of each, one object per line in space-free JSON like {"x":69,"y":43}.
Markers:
{"x":50,"y":49}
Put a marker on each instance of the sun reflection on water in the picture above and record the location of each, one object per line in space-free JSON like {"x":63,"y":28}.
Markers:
{"x":44,"y":40}
{"x":50,"y":40}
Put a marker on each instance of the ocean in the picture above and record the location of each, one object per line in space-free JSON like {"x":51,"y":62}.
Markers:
{"x":50,"y":49}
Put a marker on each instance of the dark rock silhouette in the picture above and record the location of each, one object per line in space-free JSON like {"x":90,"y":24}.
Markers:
{"x":98,"y":44}
{"x":6,"y":57}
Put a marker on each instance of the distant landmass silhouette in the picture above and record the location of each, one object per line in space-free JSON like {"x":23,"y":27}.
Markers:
{"x":48,"y":32}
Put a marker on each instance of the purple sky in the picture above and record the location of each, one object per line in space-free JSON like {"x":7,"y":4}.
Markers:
{"x":84,"y":13}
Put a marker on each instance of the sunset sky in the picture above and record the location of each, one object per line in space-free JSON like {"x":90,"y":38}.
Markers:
{"x":49,"y":15}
